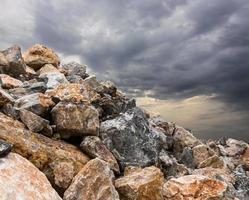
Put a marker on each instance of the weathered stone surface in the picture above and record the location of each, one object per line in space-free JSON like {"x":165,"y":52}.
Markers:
{"x":241,"y":182}
{"x":75,"y":119}
{"x":38,"y":87}
{"x":233,"y":148}
{"x":3,"y":60}
{"x":5,"y":98}
{"x":39,"y":55}
{"x":168,"y":127}
{"x":143,"y":184}
{"x":5,"y":148}
{"x":53,"y":79}
{"x":37,"y":103}
{"x":16,"y":65}
{"x":93,"y":182}
{"x":245,"y":157}
{"x":200,"y":153}
{"x":93,"y":147}
{"x":73,"y":92}
{"x":58,"y":160}
{"x":8,"y":82}
{"x":35,"y":123}
{"x":47,"y":68}
{"x":74,"y":68}
{"x":187,"y":158}
{"x":20,"y":179}
{"x":194,"y":187}
{"x":130,"y":139}
{"x":213,"y":161}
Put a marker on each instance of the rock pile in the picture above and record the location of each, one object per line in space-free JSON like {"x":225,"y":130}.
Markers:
{"x":74,"y":137}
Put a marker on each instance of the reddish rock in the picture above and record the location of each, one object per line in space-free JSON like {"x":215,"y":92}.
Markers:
{"x":20,"y":179}
{"x":93,"y":182}
{"x":7,"y":82}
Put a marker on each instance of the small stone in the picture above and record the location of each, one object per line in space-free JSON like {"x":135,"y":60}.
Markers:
{"x":93,"y":147}
{"x":37,"y":103}
{"x":144,"y":184}
{"x":5,"y":98}
{"x":7,"y":82}
{"x":16,"y":65}
{"x":213,"y":161}
{"x":5,"y":148}
{"x":20,"y":179}
{"x":74,"y":68}
{"x":93,"y":182}
{"x":48,"y":68}
{"x":53,"y":79}
{"x":194,"y":187}
{"x":39,"y":55}
{"x":35,"y":123}
{"x":73,"y":119}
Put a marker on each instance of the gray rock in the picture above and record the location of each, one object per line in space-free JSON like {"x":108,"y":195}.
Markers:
{"x":187,"y":158}
{"x":5,"y":98}
{"x":38,"y":87}
{"x":241,"y":182}
{"x":130,"y":139}
{"x":5,"y":148}
{"x":53,"y":79}
{"x":16,"y":65}
{"x":74,"y":68}
{"x":75,"y":79}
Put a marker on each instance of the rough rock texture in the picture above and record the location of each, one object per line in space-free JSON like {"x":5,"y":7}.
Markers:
{"x":53,"y":79}
{"x":20,"y":179}
{"x":47,"y":68}
{"x":93,"y":182}
{"x":194,"y":187}
{"x":141,"y":184}
{"x":16,"y":65}
{"x":8,"y":82}
{"x":39,"y":55}
{"x":93,"y":147}
{"x":5,"y":98}
{"x":5,"y":148}
{"x":37,"y":103}
{"x":200,"y":153}
{"x":74,"y":68}
{"x":75,"y":119}
{"x":58,"y":160}
{"x":35,"y":123}
{"x":130,"y":139}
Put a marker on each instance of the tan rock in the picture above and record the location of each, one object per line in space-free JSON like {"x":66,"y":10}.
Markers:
{"x":39,"y":55}
{"x":3,"y":60}
{"x":94,"y":147}
{"x":213,"y":161}
{"x":93,"y":182}
{"x":20,"y":179}
{"x":48,"y":68}
{"x":5,"y":98}
{"x":7,"y":82}
{"x":200,"y":153}
{"x":55,"y":158}
{"x":192,"y":187}
{"x":30,"y":73}
{"x":145,"y":184}
{"x":73,"y":119}
{"x":245,"y":157}
{"x":37,"y":103}
{"x":73,"y":92}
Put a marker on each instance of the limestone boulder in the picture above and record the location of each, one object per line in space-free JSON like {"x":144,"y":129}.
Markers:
{"x":93,"y":182}
{"x":20,"y":179}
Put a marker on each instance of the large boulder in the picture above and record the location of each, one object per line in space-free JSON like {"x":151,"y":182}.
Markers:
{"x":75,"y":119}
{"x":93,"y":182}
{"x":94,"y":147}
{"x":20,"y":179}
{"x":7,"y":82}
{"x":16,"y":65}
{"x":39,"y":55}
{"x":37,"y":103}
{"x":141,"y":184}
{"x":58,"y":160}
{"x":131,"y":140}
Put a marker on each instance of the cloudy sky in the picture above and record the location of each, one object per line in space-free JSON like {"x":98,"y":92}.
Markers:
{"x":185,"y":59}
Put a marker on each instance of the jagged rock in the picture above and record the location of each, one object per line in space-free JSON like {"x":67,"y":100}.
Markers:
{"x":3,"y":61}
{"x":233,"y":148}
{"x":245,"y":157}
{"x":5,"y":148}
{"x":168,"y":127}
{"x":200,"y":153}
{"x":73,"y":92}
{"x":38,"y":87}
{"x":187,"y":158}
{"x":213,"y":161}
{"x":47,"y":68}
{"x":5,"y":98}
{"x":20,"y":179}
{"x":93,"y":147}
{"x":30,"y":73}
{"x":130,"y":139}
{"x":8,"y":82}
{"x":75,"y":119}
{"x":143,"y":184}
{"x":93,"y":182}
{"x":16,"y":65}
{"x":241,"y":182}
{"x":53,"y":79}
{"x":37,"y":103}
{"x":39,"y":55}
{"x":59,"y":161}
{"x":194,"y":187}
{"x":74,"y":68}
{"x":9,"y":110}
{"x":35,"y":123}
